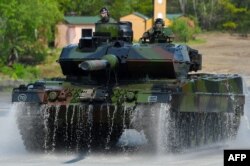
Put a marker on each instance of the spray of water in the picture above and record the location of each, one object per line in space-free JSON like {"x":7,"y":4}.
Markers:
{"x":11,"y":141}
{"x":157,"y":120}
{"x":242,"y":139}
{"x":110,"y":124}
{"x":90,"y":124}
{"x":163,"y":129}
{"x":11,"y":144}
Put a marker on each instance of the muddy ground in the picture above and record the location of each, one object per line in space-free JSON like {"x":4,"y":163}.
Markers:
{"x":225,"y":53}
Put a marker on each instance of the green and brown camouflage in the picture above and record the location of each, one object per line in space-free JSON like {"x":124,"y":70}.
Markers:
{"x":108,"y":71}
{"x":204,"y":92}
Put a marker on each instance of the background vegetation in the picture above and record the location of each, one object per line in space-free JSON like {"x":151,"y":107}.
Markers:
{"x":28,"y":26}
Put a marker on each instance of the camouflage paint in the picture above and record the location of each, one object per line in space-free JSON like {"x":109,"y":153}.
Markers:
{"x":214,"y":93}
{"x":123,"y":76}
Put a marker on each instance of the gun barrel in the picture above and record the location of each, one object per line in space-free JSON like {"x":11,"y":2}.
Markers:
{"x":108,"y":61}
{"x":93,"y":65}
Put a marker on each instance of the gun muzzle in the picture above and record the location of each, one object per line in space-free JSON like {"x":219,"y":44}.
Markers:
{"x":107,"y":62}
{"x":92,"y":65}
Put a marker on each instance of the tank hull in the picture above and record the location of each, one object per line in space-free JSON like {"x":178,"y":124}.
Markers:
{"x":169,"y":115}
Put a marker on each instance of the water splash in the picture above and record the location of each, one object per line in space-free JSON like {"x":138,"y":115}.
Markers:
{"x":90,"y":124}
{"x":67,"y":127}
{"x":123,"y":140}
{"x":152,"y":125}
{"x":46,"y":127}
{"x":72,"y":127}
{"x":79,"y":124}
{"x":132,"y":138}
{"x":242,"y":139}
{"x":55,"y":128}
{"x":111,"y":125}
{"x":11,"y":141}
{"x":163,"y":128}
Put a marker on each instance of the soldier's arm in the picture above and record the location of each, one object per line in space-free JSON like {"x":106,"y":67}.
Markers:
{"x":168,"y":32}
{"x":145,"y":35}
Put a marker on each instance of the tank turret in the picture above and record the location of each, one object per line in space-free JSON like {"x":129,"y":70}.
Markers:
{"x":159,"y":60}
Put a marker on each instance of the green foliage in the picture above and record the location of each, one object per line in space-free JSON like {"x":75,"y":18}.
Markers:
{"x":236,"y":16}
{"x":229,"y":25}
{"x":27,"y":21}
{"x":32,"y":53}
{"x":232,"y":15}
{"x":184,"y":29}
{"x":124,"y":9}
{"x":243,"y":26}
{"x":79,"y":7}
{"x":19,"y":71}
{"x":143,"y":7}
{"x":173,"y":6}
{"x":117,"y":8}
{"x":230,"y":7}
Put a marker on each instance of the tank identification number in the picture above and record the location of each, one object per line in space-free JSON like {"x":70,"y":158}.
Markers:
{"x":22,"y":97}
{"x":152,"y":99}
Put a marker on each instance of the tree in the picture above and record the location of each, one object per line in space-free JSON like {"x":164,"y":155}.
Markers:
{"x":173,"y":6}
{"x":117,"y":8}
{"x":183,"y":4}
{"x":124,"y":7}
{"x":143,"y":6}
{"x":214,"y":14}
{"x":79,"y":7}
{"x":184,"y":29}
{"x":236,"y":16}
{"x":27,"y":25}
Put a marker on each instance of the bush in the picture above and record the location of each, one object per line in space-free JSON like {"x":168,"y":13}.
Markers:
{"x":32,"y":54}
{"x":27,"y":53}
{"x":19,"y":71}
{"x":184,"y":29}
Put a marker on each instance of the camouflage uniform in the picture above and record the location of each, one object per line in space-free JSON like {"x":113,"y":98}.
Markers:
{"x":104,"y":14}
{"x":158,"y":32}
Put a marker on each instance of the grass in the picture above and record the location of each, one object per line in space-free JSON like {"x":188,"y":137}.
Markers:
{"x":49,"y":68}
{"x":197,"y":41}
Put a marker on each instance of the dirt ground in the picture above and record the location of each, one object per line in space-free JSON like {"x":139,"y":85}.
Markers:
{"x":225,"y":53}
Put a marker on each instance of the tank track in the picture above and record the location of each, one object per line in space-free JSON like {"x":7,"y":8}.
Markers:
{"x":172,"y":131}
{"x":54,"y":129}
{"x":69,"y":129}
{"x":31,"y":127}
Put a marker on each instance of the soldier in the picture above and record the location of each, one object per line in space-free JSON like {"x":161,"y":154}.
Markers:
{"x":104,"y":14}
{"x":158,"y":32}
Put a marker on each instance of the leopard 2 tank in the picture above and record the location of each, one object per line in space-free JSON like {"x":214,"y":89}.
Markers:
{"x":112,"y":87}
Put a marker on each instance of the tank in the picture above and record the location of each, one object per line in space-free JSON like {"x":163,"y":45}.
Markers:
{"x":116,"y":92}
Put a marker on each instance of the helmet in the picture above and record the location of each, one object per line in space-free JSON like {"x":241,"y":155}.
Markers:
{"x":159,"y":21}
{"x":104,"y":10}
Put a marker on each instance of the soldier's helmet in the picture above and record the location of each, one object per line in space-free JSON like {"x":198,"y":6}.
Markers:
{"x":158,"y":24}
{"x":159,"y":21}
{"x":104,"y":10}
